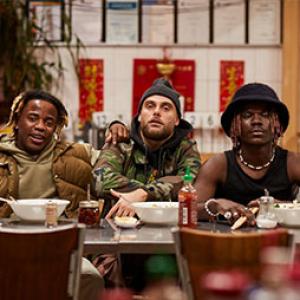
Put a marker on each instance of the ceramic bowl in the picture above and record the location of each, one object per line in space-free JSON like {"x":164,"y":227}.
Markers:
{"x":34,"y":209}
{"x":157,"y":212}
{"x":288,"y":214}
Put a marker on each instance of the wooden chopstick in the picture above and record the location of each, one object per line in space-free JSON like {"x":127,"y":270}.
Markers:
{"x":241,"y":220}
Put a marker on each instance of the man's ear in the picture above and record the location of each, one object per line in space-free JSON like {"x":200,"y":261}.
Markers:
{"x":139,"y":118}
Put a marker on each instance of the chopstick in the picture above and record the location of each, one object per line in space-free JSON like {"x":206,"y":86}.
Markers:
{"x":241,"y":220}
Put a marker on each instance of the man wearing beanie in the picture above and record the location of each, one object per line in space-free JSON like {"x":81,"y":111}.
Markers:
{"x":149,"y":168}
{"x":230,"y":182}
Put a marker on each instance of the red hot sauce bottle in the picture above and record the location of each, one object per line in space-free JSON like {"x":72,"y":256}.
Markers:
{"x":187,"y":198}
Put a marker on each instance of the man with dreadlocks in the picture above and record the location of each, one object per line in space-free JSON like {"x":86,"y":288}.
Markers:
{"x":33,"y":153}
{"x":229,"y":182}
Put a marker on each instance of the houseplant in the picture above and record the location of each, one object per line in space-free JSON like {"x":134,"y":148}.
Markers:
{"x":21,"y":64}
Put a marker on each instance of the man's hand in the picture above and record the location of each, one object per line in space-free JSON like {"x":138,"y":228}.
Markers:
{"x":123,"y":207}
{"x":118,"y":133}
{"x":233,"y":211}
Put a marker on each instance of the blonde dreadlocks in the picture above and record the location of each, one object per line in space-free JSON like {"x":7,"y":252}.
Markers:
{"x":21,"y":100}
{"x":235,"y":129}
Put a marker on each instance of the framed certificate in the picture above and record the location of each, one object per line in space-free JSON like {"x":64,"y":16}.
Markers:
{"x":193,"y":21}
{"x":48,"y":18}
{"x":122,"y":21}
{"x":158,"y":21}
{"x":264,"y":21}
{"x":229,"y":21}
{"x":87,"y":20}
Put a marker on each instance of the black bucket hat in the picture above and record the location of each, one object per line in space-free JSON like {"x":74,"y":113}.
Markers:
{"x":254,"y":92}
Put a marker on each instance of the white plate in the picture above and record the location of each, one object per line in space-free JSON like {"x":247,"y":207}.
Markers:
{"x":126,"y":222}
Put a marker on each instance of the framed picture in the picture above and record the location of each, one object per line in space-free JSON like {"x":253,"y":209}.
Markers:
{"x":122,"y":18}
{"x":158,"y":21}
{"x":87,"y":19}
{"x":229,"y":22}
{"x":265,"y":22}
{"x":193,"y":23}
{"x":48,"y":19}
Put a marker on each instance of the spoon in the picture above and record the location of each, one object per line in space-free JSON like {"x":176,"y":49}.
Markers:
{"x":9,"y":201}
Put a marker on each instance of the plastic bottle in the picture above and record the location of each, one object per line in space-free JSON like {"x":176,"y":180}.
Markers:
{"x":187,"y":198}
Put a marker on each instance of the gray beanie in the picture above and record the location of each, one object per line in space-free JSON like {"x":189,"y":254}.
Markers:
{"x":164,"y":88}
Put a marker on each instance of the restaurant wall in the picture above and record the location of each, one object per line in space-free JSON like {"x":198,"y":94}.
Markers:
{"x":261,"y":63}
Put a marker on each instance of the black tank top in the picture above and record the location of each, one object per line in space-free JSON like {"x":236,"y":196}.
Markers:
{"x":241,"y":188}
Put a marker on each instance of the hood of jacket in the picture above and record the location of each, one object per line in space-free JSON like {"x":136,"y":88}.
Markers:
{"x":156,"y":157}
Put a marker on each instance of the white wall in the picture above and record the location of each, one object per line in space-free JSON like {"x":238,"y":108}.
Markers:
{"x":262,"y":64}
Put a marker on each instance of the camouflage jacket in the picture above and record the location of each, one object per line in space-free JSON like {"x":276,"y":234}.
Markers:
{"x":126,"y":167}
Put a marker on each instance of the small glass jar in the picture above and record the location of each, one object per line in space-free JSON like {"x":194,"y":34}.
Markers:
{"x":89,"y":213}
{"x":266,"y":217}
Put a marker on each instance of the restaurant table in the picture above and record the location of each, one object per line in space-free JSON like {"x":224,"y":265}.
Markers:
{"x":142,"y":239}
{"x":145,"y":238}
{"x":149,"y":238}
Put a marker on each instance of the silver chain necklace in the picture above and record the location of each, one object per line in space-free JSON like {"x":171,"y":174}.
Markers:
{"x":250,"y":166}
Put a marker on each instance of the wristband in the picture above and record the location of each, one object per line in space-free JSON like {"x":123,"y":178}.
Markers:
{"x":208,"y":210}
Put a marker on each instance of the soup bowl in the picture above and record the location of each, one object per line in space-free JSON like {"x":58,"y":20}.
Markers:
{"x":34,"y":209}
{"x":157,"y":212}
{"x":288,"y":214}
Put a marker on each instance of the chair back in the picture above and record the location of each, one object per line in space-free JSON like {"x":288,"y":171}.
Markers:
{"x":41,"y":264}
{"x":199,"y":252}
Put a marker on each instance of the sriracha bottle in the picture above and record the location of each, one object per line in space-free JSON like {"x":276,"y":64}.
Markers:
{"x":187,"y":198}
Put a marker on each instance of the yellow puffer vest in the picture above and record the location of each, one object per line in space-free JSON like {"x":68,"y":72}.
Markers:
{"x":71,"y":169}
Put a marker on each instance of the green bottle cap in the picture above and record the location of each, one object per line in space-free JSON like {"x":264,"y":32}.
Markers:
{"x":188,"y":177}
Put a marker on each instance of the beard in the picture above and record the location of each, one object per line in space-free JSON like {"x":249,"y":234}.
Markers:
{"x":155,"y":135}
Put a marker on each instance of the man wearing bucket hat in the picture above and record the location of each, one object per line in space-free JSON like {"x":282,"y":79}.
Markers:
{"x":150,"y":167}
{"x":229,"y":182}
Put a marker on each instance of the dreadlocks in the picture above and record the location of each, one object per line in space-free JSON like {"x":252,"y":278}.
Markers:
{"x":235,"y":129}
{"x":21,"y":100}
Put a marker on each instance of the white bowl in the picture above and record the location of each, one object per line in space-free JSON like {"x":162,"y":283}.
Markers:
{"x":157,"y":212}
{"x":288,"y":214}
{"x":34,"y":209}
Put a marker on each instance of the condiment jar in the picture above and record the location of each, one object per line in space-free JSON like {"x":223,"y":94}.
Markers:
{"x":266,"y":217}
{"x":89,"y":213}
{"x":51,"y":214}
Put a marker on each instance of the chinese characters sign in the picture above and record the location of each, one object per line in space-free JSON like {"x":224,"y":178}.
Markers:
{"x":90,"y":88}
{"x":231,"y":78}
